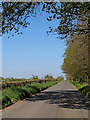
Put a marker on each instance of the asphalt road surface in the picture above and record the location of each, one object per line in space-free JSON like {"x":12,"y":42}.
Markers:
{"x":59,"y":101}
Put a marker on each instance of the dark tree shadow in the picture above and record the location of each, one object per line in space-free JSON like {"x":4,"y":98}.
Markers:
{"x":64,"y":98}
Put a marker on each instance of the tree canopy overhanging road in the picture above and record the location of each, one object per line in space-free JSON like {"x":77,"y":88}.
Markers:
{"x":15,"y":15}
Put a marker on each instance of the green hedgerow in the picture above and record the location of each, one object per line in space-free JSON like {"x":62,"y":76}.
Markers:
{"x":82,"y":88}
{"x":88,"y":94}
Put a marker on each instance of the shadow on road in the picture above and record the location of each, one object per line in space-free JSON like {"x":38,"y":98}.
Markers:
{"x":64,"y":98}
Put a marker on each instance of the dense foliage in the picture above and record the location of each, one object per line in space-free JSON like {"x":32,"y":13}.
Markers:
{"x":77,"y":84}
{"x":76,"y":59}
{"x":85,"y":89}
{"x":15,"y":15}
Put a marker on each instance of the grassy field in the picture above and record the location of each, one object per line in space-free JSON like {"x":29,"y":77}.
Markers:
{"x":85,"y":89}
{"x":14,"y":94}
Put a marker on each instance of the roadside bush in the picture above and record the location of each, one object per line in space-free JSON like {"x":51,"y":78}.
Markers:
{"x":78,"y":85}
{"x":36,"y":86}
{"x":85,"y":89}
{"x":88,"y":94}
{"x":29,"y":90}
{"x":6,"y":101}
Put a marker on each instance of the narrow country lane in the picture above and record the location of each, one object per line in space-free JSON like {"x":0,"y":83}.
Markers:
{"x":59,"y":101}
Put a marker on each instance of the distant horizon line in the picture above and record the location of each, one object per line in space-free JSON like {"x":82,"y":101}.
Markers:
{"x":31,"y":77}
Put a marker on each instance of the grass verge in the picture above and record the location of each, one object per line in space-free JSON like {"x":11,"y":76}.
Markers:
{"x":85,"y":89}
{"x":14,"y":94}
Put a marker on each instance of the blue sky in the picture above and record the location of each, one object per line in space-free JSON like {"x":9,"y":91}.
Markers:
{"x":34,"y":52}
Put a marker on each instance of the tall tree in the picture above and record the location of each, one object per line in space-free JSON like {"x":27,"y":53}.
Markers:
{"x":76,"y":58}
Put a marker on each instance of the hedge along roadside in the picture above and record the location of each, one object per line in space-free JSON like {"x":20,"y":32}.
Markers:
{"x":85,"y":89}
{"x":14,"y":94}
{"x":26,"y":82}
